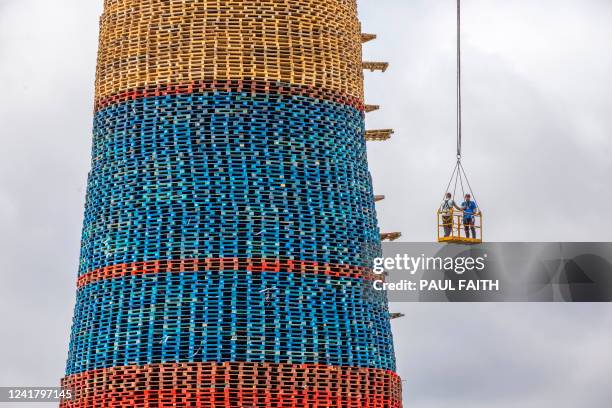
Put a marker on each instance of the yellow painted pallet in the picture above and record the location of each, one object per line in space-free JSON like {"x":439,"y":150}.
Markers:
{"x":315,"y":43}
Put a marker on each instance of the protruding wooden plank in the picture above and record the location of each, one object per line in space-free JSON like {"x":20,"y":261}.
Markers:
{"x":367,"y":37}
{"x":393,"y":316}
{"x":390,"y":236}
{"x":378,"y":198}
{"x":375,"y":66}
{"x":379,"y":135}
{"x":371,"y":108}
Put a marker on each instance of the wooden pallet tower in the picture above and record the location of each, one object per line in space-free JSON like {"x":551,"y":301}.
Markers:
{"x":230,"y":224}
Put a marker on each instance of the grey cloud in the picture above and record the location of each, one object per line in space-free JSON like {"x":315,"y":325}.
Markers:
{"x":536,"y":131}
{"x":504,"y":355}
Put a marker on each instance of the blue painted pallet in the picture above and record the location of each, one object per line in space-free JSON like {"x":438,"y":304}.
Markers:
{"x":229,"y":175}
{"x":230,"y":316}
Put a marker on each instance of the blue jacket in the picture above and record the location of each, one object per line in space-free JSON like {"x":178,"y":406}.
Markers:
{"x":469,"y":208}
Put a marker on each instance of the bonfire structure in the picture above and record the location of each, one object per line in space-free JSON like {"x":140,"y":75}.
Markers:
{"x":230,"y":225}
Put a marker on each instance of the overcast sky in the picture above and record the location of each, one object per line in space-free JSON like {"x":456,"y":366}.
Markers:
{"x":538,"y":126}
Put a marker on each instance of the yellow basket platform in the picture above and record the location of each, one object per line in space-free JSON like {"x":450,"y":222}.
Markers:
{"x":454,"y":232}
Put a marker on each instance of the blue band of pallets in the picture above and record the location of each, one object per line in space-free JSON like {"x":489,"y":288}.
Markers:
{"x":228,"y":174}
{"x":228,"y":316}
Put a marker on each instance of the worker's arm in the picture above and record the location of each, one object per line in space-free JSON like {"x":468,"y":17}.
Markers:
{"x":476,"y":209}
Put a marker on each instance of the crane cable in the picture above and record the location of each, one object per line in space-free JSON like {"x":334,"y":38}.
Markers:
{"x":459,"y":173}
{"x":459,"y":124}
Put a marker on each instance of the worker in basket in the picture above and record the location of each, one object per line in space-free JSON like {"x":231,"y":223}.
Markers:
{"x":470,"y":209}
{"x":446,"y":209}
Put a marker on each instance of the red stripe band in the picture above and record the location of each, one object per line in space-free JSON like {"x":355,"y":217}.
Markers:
{"x":247,"y":85}
{"x":226,"y":264}
{"x":233,"y":385}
